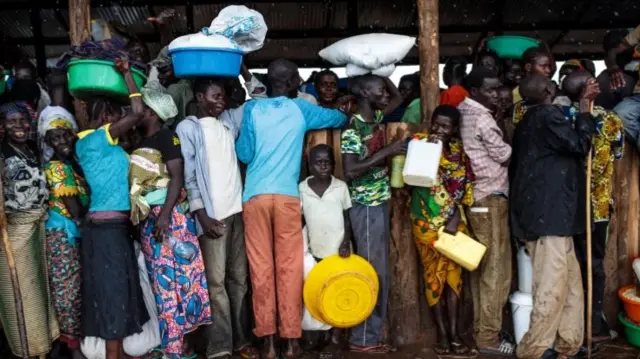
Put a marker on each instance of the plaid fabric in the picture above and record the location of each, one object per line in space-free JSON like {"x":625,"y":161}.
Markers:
{"x":483,"y":142}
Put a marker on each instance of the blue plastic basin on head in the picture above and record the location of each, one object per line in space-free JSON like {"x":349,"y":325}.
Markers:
{"x":206,"y":62}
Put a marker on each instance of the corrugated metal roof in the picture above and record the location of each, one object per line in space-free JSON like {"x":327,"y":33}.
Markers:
{"x":304,"y":27}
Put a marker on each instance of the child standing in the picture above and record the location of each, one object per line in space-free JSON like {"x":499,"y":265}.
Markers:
{"x":325,"y":204}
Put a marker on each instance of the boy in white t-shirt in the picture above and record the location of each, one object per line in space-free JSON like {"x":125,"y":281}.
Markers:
{"x":325,"y":204}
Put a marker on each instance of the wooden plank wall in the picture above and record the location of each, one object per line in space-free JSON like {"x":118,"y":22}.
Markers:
{"x":623,"y":245}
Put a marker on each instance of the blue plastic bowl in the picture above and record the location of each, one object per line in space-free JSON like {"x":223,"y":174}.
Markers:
{"x":511,"y":47}
{"x":189,"y":62}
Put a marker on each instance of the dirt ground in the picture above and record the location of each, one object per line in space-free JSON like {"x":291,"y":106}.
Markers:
{"x":618,"y":350}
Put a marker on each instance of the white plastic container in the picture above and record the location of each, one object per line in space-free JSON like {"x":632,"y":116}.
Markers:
{"x":521,"y":307}
{"x":422,"y":163}
{"x":525,"y":271}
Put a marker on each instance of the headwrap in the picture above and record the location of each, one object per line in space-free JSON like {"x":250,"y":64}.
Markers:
{"x":14,"y":107}
{"x":574,"y":63}
{"x":155,"y":96}
{"x":51,"y":118}
{"x":453,"y":96}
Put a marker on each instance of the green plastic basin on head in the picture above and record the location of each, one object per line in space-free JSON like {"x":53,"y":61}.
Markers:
{"x":88,"y":78}
{"x":631,"y":330}
{"x":511,"y":47}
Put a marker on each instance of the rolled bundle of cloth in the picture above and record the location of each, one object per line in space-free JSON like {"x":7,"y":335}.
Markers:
{"x":110,"y":50}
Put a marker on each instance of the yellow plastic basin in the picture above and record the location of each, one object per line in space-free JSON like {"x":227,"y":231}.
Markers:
{"x":341,"y":292}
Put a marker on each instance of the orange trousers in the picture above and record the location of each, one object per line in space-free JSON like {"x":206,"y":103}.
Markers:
{"x":273,"y":235}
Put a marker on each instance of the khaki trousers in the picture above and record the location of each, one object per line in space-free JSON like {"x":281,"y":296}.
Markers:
{"x":273,"y":235}
{"x":491,"y":282}
{"x":558,"y":300}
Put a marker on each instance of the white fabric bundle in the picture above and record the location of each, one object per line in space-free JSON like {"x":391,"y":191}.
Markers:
{"x":200,"y":40}
{"x":384,"y":71}
{"x":245,"y":26}
{"x":371,"y":53}
{"x":235,"y":27}
{"x":135,"y":345}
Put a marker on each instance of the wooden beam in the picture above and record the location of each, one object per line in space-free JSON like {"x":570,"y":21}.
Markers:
{"x":41,"y":55}
{"x":322,"y":33}
{"x":429,"y":52}
{"x":24,"y":5}
{"x":80,"y":31}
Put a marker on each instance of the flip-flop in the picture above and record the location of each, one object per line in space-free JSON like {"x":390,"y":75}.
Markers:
{"x":456,"y":348}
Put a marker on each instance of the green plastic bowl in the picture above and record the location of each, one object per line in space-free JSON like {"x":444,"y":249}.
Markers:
{"x":511,"y":47}
{"x":88,"y":78}
{"x":631,"y":330}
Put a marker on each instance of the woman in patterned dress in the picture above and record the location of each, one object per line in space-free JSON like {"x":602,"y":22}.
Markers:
{"x":25,"y":198}
{"x":68,"y":201}
{"x":437,"y":207}
{"x":169,"y":243}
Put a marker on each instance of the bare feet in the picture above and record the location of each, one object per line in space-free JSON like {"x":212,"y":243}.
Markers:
{"x":268,"y":350}
{"x":293,"y":349}
{"x":458,"y":346}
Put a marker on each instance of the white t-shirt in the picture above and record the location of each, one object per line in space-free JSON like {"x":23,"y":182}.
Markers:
{"x":225,"y":184}
{"x":325,"y":216}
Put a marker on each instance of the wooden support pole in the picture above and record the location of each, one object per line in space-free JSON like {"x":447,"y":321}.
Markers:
{"x":428,"y":41}
{"x":80,"y":31}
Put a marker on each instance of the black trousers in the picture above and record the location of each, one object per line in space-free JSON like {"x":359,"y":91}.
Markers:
{"x":598,"y":248}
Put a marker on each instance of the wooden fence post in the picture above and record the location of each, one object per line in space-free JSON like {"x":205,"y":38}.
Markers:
{"x":80,"y":31}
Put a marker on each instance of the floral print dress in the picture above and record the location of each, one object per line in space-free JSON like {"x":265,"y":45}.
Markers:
{"x":431,"y":208}
{"x":63,"y":248}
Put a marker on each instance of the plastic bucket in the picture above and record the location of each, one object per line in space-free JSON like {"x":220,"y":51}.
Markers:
{"x":521,"y":307}
{"x":525,"y":271}
{"x":341,"y":292}
{"x":631,"y":306}
{"x":189,"y":62}
{"x":631,"y":330}
{"x":511,"y":47}
{"x":88,"y":78}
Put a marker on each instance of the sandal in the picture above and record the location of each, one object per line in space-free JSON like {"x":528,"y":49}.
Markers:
{"x":155,"y":353}
{"x":459,"y":348}
{"x":248,"y":352}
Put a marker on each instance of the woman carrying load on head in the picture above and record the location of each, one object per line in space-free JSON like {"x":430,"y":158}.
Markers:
{"x":25,"y":198}
{"x":68,"y":203}
{"x":167,"y":229}
{"x":113,"y":305}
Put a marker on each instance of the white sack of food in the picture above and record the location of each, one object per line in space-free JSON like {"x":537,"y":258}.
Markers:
{"x":370,"y":51}
{"x":244,"y":26}
{"x":136,"y":345}
{"x":385,"y":71}
{"x":200,"y":40}
{"x":309,"y":322}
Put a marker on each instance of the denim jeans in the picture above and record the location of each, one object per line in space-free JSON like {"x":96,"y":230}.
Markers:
{"x":629,"y":112}
{"x":371,"y":235}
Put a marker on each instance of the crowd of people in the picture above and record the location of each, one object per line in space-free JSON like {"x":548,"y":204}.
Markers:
{"x":209,"y":189}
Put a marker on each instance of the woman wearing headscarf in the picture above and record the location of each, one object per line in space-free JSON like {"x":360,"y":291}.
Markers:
{"x":25,"y":196}
{"x":113,"y":305}
{"x":169,"y":243}
{"x":68,"y":202}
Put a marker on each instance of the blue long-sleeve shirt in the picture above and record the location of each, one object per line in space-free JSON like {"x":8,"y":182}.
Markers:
{"x":271,"y":141}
